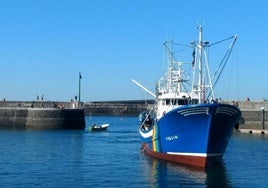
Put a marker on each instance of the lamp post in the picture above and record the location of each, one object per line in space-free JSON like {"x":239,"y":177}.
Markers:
{"x":79,"y":99}
{"x":263,"y":118}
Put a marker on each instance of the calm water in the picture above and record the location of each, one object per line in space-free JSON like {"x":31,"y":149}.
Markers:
{"x":31,"y":158}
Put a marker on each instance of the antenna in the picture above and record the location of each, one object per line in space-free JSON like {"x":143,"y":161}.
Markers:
{"x":200,"y":22}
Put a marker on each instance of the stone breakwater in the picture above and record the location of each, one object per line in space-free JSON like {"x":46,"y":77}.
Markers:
{"x":255,"y":113}
{"x":67,"y":115}
{"x":117,"y":108}
{"x":41,"y":115}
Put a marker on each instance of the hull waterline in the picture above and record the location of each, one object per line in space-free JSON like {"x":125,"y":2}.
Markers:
{"x":197,"y":161}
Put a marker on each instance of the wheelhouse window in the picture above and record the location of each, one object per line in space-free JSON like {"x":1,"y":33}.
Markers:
{"x":183,"y":102}
{"x":168,"y":102}
{"x":194,"y":101}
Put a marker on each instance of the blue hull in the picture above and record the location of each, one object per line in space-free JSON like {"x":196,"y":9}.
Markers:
{"x":199,"y":131}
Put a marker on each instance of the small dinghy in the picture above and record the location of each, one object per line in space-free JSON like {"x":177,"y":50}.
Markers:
{"x":96,"y":127}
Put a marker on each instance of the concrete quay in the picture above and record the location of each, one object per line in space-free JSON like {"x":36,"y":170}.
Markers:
{"x":255,"y":114}
{"x":67,"y":115}
{"x":41,"y":115}
{"x":117,"y":108}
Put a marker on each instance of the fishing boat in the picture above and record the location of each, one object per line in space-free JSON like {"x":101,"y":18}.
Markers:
{"x":96,"y":127}
{"x":189,"y":125}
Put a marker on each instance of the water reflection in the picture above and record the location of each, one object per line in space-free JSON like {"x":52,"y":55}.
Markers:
{"x":217,"y":176}
{"x":165,"y":174}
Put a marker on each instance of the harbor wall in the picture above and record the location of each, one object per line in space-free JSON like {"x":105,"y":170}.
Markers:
{"x":67,"y":115}
{"x":117,"y":108}
{"x":41,"y":115}
{"x":255,"y":114}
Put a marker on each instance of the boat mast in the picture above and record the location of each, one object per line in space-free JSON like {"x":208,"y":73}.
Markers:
{"x":200,"y":71}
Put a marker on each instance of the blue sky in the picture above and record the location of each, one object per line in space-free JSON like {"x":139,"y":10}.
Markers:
{"x":44,"y":44}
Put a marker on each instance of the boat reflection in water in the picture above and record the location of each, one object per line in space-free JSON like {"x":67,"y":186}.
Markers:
{"x":167,"y":174}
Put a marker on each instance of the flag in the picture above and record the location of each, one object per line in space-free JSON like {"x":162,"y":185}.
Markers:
{"x":80,"y":77}
{"x":193,"y":62}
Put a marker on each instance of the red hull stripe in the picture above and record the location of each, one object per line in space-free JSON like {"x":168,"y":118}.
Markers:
{"x":183,"y":159}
